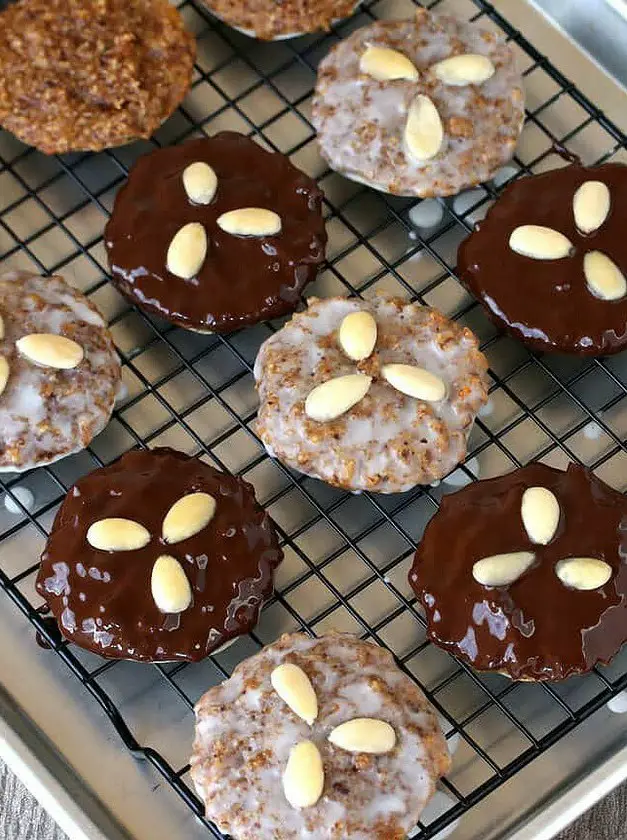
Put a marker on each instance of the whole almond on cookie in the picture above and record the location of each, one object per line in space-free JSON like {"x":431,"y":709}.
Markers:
{"x":188,"y":516}
{"x":303,"y":779}
{"x":591,"y":205}
{"x":540,"y":513}
{"x":539,"y":243}
{"x":502,"y":569}
{"x":117,"y":534}
{"x":466,"y":69}
{"x":385,"y":64}
{"x":187,"y":251}
{"x":358,"y":335}
{"x":424,"y":133}
{"x":50,"y":350}
{"x":169,"y":585}
{"x":294,"y":687}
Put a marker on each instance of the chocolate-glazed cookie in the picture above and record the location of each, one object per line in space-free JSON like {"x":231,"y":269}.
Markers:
{"x":548,"y":303}
{"x":541,"y":625}
{"x":242,"y":279}
{"x":128,"y":575}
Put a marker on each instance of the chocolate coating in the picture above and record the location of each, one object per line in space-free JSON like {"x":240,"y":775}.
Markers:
{"x":546,"y":303}
{"x":243,"y":279}
{"x":102,"y":599}
{"x":535,"y":628}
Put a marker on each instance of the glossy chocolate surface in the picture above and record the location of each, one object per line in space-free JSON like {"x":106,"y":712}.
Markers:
{"x":546,"y":303}
{"x":102,"y":599}
{"x":243,"y":279}
{"x":535,"y":628}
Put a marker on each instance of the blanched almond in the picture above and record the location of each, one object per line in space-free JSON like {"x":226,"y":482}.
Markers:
{"x":603,"y":277}
{"x":415,"y":382}
{"x":117,"y":534}
{"x":366,"y":735}
{"x":423,"y":130}
{"x":200,"y":182}
{"x":188,"y":516}
{"x":169,"y":585}
{"x":187,"y":251}
{"x":294,"y":687}
{"x":50,"y":350}
{"x":336,"y":396}
{"x":303,"y":779}
{"x":385,"y":64}
{"x":539,"y":243}
{"x":583,"y":573}
{"x":502,"y":569}
{"x":591,"y":205}
{"x":467,"y":69}
{"x":4,"y":374}
{"x":540,"y":513}
{"x":250,"y":221}
{"x":358,"y":335}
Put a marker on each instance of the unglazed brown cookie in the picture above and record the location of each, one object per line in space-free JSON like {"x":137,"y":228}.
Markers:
{"x":78,"y":75}
{"x":238,"y":278}
{"x":300,"y":698}
{"x":158,"y":557}
{"x":59,"y":371}
{"x":539,"y":614}
{"x":391,"y":76}
{"x":548,"y":303}
{"x":275,"y":19}
{"x":387,"y":436}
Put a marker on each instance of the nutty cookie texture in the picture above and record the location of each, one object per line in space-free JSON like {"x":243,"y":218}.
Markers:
{"x":59,"y":371}
{"x":526,"y":573}
{"x":420,"y":107}
{"x":85,"y":75}
{"x":272,"y":19}
{"x":328,"y":739}
{"x":158,"y":557}
{"x":374,"y":395}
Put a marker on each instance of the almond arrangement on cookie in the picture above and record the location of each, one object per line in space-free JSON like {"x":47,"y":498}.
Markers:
{"x":420,"y":107}
{"x":328,"y":738}
{"x":536,"y":579}
{"x":216,"y":233}
{"x":370,"y":395}
{"x":158,"y":557}
{"x":549,"y":261}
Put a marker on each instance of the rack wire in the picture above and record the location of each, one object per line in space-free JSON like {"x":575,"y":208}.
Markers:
{"x":346,"y":556}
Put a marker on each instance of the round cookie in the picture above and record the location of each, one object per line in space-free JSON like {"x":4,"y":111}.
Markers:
{"x":246,"y":733}
{"x":548,"y":302}
{"x":107,"y":583}
{"x":390,"y":115}
{"x":59,"y":371}
{"x":527,"y":615}
{"x":272,"y":21}
{"x":386,"y":439}
{"x":241,"y":279}
{"x":80,"y":75}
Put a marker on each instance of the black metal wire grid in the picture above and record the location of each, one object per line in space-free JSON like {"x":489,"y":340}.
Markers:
{"x":346,"y":556}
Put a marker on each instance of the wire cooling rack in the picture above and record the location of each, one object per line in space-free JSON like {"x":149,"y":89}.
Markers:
{"x":346,"y":556}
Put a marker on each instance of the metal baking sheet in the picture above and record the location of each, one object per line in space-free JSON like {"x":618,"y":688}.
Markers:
{"x":52,"y":731}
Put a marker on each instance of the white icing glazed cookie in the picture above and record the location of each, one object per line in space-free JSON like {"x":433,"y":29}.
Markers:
{"x":405,"y":409}
{"x":393,"y":112}
{"x":59,"y":371}
{"x":280,"y":752}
